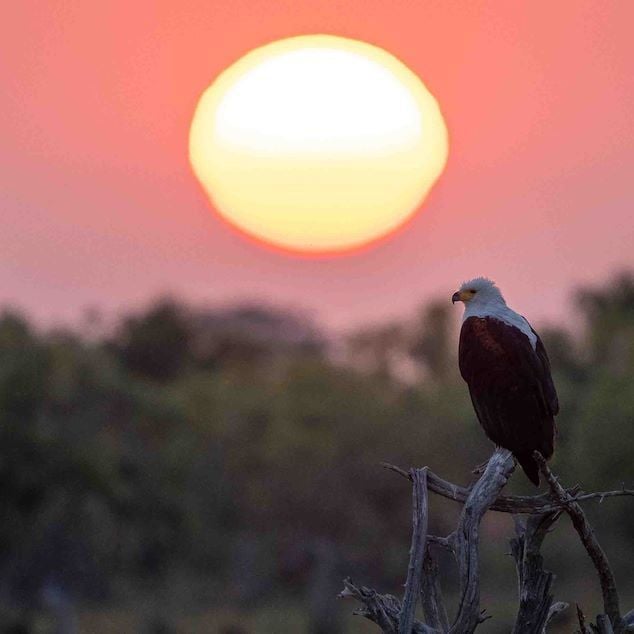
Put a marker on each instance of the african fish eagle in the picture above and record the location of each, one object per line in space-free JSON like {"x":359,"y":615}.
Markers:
{"x":506,"y":367}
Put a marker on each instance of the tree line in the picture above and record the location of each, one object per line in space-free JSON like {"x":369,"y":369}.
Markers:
{"x":236,"y":450}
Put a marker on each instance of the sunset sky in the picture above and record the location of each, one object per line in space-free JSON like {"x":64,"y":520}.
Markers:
{"x":100,"y":207}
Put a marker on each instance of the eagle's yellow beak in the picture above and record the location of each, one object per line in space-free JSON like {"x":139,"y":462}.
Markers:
{"x":462,"y":296}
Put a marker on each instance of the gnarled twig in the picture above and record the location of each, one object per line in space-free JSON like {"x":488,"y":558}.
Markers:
{"x":417,"y":549}
{"x":536,"y":606}
{"x":382,"y":609}
{"x":628,"y":621}
{"x":508,"y":503}
{"x":448,"y":543}
{"x":581,"y":618}
{"x":485,"y":491}
{"x":592,"y":546}
{"x":555,"y":609}
{"x":534,"y":582}
{"x":431,"y":595}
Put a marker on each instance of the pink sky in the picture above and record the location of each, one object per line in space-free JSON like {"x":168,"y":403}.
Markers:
{"x":100,"y":207}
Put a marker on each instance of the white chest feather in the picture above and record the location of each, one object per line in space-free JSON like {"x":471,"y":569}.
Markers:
{"x":501,"y":311}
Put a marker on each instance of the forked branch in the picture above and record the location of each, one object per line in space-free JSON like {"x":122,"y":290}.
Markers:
{"x":417,"y":549}
{"x":536,"y":606}
{"x":534,"y":582}
{"x":485,"y":491}
{"x":509,"y":503}
{"x":590,"y":542}
{"x":382,"y":609}
{"x":431,"y":595}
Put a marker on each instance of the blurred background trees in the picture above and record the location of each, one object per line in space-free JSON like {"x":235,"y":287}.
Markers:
{"x":217,"y":470}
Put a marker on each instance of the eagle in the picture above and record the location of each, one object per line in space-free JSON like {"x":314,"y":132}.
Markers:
{"x":504,"y":363}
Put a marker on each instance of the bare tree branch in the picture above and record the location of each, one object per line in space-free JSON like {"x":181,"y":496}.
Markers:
{"x":508,"y":503}
{"x":581,"y":618}
{"x":536,"y":607}
{"x":417,"y":549}
{"x":534,"y":582}
{"x":482,"y":495}
{"x":592,"y":546}
{"x":555,"y":609}
{"x":448,"y":543}
{"x":431,"y":594}
{"x":382,"y":609}
{"x":628,"y":621}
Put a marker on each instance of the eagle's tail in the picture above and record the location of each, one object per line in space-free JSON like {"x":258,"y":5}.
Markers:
{"x":531,"y":469}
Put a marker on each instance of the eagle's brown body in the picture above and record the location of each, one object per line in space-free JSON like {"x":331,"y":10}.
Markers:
{"x":511,"y":388}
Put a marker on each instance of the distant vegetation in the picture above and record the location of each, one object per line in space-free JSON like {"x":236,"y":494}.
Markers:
{"x":222,"y":465}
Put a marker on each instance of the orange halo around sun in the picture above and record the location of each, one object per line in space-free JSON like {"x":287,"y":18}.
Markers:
{"x":317,"y":144}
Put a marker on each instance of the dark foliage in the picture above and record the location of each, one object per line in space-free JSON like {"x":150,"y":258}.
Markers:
{"x":239,"y":449}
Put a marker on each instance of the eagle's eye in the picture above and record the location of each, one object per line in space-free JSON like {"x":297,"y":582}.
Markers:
{"x":473,"y":290}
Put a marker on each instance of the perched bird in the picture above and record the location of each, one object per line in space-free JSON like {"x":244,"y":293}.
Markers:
{"x":506,"y":367}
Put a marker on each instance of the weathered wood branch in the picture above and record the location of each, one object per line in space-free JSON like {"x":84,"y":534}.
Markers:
{"x":628,"y":621}
{"x":555,"y":609}
{"x":484,"y":492}
{"x":431,"y":595}
{"x":447,"y":543}
{"x":382,"y":609}
{"x":581,"y":618}
{"x":417,"y":549}
{"x":509,"y":503}
{"x":591,"y":544}
{"x":536,"y":606}
{"x":534,"y":582}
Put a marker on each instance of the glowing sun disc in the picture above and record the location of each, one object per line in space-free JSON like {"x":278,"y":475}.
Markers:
{"x":317,"y":143}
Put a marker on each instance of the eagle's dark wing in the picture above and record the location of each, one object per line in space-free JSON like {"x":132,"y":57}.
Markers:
{"x":549,"y":387}
{"x":511,"y":388}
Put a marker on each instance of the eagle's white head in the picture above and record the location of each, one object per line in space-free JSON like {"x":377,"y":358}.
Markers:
{"x":478,"y":293}
{"x":482,"y":298}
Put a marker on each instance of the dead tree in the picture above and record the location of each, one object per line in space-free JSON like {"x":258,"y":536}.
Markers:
{"x":534,"y":517}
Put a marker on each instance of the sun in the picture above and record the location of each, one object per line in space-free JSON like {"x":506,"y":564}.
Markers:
{"x":317,"y":143}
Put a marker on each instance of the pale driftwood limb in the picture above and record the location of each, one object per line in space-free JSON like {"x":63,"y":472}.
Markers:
{"x":484,"y":492}
{"x":534,"y":582}
{"x":417,"y":549}
{"x":386,"y":610}
{"x":431,"y":595}
{"x":448,"y":543}
{"x":536,"y":606}
{"x":382,"y":609}
{"x":555,"y":609}
{"x":592,"y":546}
{"x":628,"y":621}
{"x":509,"y":503}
